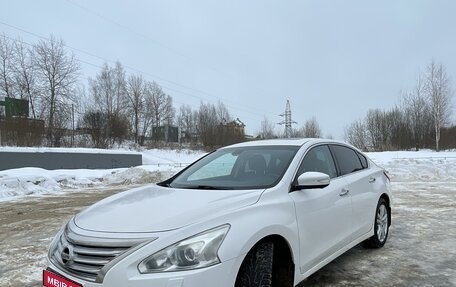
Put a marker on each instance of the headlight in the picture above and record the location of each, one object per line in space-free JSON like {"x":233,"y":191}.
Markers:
{"x":195,"y":252}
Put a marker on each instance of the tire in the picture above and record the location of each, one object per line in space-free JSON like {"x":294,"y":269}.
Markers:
{"x":381,"y":226}
{"x":256,"y":270}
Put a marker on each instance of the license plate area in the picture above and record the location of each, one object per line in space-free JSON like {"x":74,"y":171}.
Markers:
{"x":50,"y":279}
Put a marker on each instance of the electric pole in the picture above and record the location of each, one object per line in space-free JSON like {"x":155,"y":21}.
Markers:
{"x":288,"y":121}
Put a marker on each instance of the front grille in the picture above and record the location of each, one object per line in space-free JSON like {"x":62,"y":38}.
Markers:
{"x":84,"y":258}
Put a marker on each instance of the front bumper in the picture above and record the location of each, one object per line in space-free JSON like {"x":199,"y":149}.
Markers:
{"x":220,"y":275}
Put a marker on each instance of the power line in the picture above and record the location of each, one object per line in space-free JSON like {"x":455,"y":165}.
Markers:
{"x":100,"y":67}
{"x":116,"y":23}
{"x":137,"y":71}
{"x":144,"y":36}
{"x":99,"y":57}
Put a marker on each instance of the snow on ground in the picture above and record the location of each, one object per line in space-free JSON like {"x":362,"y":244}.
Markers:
{"x":413,"y":166}
{"x":420,"y":250}
{"x":157,"y":164}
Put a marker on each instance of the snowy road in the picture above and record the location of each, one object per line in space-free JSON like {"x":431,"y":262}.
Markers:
{"x":27,"y":227}
{"x":420,"y":252}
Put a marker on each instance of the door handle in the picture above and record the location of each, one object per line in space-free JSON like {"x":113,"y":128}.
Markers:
{"x":372,"y":180}
{"x":344,"y":192}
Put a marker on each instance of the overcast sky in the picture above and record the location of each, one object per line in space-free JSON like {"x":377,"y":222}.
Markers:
{"x":332,"y":59}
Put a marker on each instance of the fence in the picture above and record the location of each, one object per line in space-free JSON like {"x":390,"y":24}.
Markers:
{"x":67,"y":160}
{"x":170,"y":164}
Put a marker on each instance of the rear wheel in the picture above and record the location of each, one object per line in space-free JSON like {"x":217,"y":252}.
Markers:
{"x":381,"y":226}
{"x":256,"y":270}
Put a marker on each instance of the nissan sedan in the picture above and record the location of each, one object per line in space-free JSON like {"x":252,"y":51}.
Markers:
{"x":263,"y":213}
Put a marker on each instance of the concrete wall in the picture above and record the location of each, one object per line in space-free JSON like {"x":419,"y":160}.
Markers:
{"x":62,"y":160}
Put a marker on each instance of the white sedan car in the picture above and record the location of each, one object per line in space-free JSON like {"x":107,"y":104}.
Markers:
{"x":262,"y":213}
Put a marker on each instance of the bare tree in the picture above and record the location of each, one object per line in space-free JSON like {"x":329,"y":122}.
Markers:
{"x":207,"y":121}
{"x":6,"y":67}
{"x":136,"y":101}
{"x":356,"y":135}
{"x":147,"y":115}
{"x":119,"y":86}
{"x":25,"y":74}
{"x":311,"y":128}
{"x":95,"y":124}
{"x":439,"y":93}
{"x":185,"y":122}
{"x":104,"y":90}
{"x":161,"y":105}
{"x":395,"y":132}
{"x":195,"y":128}
{"x":169,"y":111}
{"x":58,"y":72}
{"x":267,"y":128}
{"x":417,"y":113}
{"x":223,"y":114}
{"x":373,"y":124}
{"x":109,"y":96}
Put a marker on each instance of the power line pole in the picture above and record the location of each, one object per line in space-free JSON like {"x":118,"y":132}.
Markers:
{"x":72,"y":130}
{"x":288,"y":121}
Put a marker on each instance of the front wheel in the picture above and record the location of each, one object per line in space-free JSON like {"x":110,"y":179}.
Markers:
{"x":381,"y":226}
{"x":256,"y":270}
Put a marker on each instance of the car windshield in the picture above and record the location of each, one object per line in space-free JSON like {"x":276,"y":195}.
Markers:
{"x":237,"y":168}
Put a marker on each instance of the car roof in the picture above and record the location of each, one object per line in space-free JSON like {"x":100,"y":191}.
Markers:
{"x":285,"y":142}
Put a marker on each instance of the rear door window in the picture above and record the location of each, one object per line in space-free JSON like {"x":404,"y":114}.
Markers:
{"x":347,"y":159}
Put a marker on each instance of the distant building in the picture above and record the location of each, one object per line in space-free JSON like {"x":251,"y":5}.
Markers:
{"x":230,"y":132}
{"x":16,"y":128}
{"x":10,"y":107}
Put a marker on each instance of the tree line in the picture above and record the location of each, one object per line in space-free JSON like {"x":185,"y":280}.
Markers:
{"x":421,"y":119}
{"x":310,"y":129}
{"x":113,"y":107}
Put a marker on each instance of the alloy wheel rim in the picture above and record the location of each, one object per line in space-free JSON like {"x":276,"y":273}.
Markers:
{"x":382,"y":223}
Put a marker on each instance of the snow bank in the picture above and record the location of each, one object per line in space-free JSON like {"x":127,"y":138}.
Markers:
{"x":158,"y":165}
{"x":387,"y":156}
{"x":15,"y":183}
{"x":417,"y":166}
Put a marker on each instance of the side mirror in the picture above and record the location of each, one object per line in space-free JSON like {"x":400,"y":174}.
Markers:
{"x":312,"y":179}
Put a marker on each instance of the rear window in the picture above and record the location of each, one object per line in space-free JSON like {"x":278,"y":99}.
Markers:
{"x":347,"y":159}
{"x":363,"y":160}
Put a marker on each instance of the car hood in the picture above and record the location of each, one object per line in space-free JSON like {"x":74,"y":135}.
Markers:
{"x":154,"y":208}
